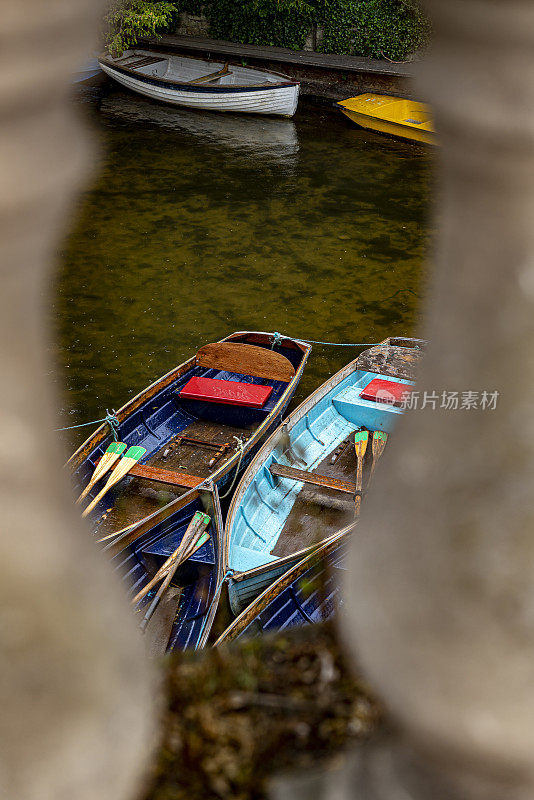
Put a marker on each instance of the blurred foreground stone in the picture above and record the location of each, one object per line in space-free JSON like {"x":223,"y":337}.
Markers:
{"x":238,"y":715}
{"x":76,"y":691}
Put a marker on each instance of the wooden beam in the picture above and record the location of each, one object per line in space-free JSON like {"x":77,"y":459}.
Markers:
{"x":181,"y":479}
{"x":281,"y":471}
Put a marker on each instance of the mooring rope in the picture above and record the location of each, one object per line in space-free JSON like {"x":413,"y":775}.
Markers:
{"x":227,"y":574}
{"x":277,"y":338}
{"x":111,"y":419}
{"x":113,"y":422}
{"x":241,"y":445}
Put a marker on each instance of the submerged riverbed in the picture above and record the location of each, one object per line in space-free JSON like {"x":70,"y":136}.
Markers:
{"x":201,"y":224}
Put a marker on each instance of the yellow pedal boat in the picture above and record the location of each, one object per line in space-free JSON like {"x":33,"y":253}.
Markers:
{"x":393,"y":115}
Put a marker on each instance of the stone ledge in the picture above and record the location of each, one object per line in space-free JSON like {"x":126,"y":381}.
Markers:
{"x":305,"y":58}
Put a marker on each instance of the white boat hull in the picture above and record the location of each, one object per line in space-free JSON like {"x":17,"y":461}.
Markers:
{"x":275,"y":100}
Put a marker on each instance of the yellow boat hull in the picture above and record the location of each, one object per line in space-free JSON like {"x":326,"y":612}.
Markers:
{"x":392,"y":115}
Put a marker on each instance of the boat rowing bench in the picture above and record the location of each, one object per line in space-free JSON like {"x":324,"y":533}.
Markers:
{"x":181,"y":479}
{"x":301,"y":475}
{"x":213,"y":76}
{"x":144,"y":61}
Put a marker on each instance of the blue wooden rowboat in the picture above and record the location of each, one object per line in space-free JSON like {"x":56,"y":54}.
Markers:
{"x":306,"y":594}
{"x":187,"y":610}
{"x":298,"y":490}
{"x":200,"y":424}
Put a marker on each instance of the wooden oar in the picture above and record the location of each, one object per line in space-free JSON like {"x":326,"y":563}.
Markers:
{"x":114,"y":451}
{"x":131,"y":457}
{"x":379,"y":442}
{"x":195,"y":545}
{"x":196,"y":520}
{"x":212,"y":75}
{"x":360,"y":445}
{"x":152,"y":607}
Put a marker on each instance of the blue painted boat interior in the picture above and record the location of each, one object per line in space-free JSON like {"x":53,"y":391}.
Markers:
{"x":198,"y":575}
{"x":165,"y":415}
{"x":267,"y":502}
{"x":312,"y":597}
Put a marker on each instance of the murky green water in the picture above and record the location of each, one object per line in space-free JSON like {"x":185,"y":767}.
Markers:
{"x":199,"y":225}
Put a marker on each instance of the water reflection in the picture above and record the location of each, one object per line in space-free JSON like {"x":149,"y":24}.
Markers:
{"x":199,"y":225}
{"x":260,"y":137}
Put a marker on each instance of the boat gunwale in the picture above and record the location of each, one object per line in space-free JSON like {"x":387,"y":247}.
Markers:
{"x":214,"y":602}
{"x":260,"y":603}
{"x":198,"y":88}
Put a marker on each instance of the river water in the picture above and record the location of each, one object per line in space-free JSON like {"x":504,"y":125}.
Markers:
{"x":197,"y":225}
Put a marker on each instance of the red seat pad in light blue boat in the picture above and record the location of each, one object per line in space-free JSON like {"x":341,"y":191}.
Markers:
{"x":382,"y":391}
{"x":234,"y":393}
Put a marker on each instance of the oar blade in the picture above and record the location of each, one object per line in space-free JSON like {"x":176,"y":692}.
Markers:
{"x":131,"y":457}
{"x":379,"y":443}
{"x":168,"y":564}
{"x":112,"y":454}
{"x":136,"y":452}
{"x":361,"y":439}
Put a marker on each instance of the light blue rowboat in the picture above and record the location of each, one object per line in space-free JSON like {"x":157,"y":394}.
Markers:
{"x":274,"y":521}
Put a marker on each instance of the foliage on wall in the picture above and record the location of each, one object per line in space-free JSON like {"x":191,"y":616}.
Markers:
{"x":127,"y":20}
{"x":372,"y":28}
{"x":283,"y":23}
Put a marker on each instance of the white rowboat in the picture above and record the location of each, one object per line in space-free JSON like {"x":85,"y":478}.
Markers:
{"x":206,"y":85}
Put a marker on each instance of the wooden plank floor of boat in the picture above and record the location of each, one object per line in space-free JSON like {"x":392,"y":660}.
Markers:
{"x":141,"y":497}
{"x":318,"y":512}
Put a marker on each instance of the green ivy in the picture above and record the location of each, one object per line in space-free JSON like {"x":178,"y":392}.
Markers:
{"x":372,"y":28}
{"x":126,"y":21}
{"x":387,"y":28}
{"x":281,"y":23}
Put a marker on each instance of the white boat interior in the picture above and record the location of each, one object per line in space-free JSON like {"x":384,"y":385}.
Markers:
{"x":192,"y":70}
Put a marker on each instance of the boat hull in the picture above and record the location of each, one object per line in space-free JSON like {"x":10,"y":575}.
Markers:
{"x":155,"y":421}
{"x":307,"y":593}
{"x":265,"y":534}
{"x":390,"y":128}
{"x":194,"y":609}
{"x":405,"y":119}
{"x":275,"y":100}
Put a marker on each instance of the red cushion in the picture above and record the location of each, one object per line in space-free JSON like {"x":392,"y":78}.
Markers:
{"x":235,"y":393}
{"x":382,"y":391}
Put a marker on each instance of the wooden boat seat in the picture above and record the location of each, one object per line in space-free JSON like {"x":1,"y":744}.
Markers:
{"x":303,"y":476}
{"x":246,"y":359}
{"x":383,"y":391}
{"x":212,"y":76}
{"x":234,"y":393}
{"x":137,"y":63}
{"x":180,"y":479}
